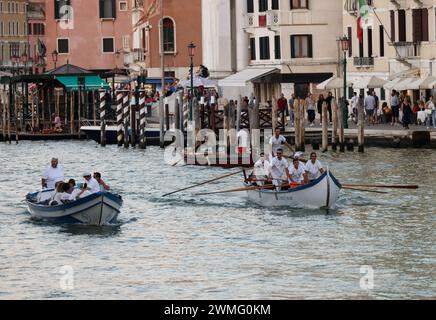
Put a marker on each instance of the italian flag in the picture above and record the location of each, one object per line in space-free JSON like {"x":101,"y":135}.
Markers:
{"x":363,"y":12}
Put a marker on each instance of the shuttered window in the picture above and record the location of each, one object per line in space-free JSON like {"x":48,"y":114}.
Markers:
{"x":60,"y":9}
{"x":392,"y":26}
{"x":402,"y":25}
{"x":382,"y":41}
{"x":301,"y":46}
{"x":275,"y":5}
{"x":107,"y":9}
{"x":108,"y":45}
{"x":250,"y":6}
{"x":264,"y":48}
{"x":277,"y":48}
{"x":253,"y":48}
{"x":63,"y":46}
{"x":263,"y":5}
{"x":350,"y":41}
{"x":369,"y":42}
{"x":420,"y":25}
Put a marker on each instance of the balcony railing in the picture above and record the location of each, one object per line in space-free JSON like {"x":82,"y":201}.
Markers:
{"x":406,"y":50}
{"x":363,"y":61}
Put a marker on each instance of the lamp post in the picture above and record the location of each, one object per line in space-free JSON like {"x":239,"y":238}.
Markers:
{"x":191,"y":50}
{"x":54,"y":56}
{"x":345,"y":46}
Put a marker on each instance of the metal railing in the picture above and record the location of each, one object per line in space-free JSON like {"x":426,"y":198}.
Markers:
{"x":363,"y":61}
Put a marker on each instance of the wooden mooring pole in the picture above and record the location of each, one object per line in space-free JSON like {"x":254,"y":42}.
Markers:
{"x":102,"y":96}
{"x":126,"y":115}
{"x":142,"y":121}
{"x":334,"y":124}
{"x":341,"y":129}
{"x":302,"y":125}
{"x":297,"y":130}
{"x":120,"y":135}
{"x":361,"y":126}
{"x":325,"y":128}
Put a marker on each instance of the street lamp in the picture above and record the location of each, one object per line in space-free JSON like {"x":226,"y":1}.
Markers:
{"x":345,"y":46}
{"x":191,"y":50}
{"x":54,"y":56}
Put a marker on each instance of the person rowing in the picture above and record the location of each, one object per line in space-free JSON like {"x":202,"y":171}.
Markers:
{"x":277,"y":141}
{"x":279,"y":167}
{"x":297,"y":174}
{"x":52,"y":174}
{"x":262,"y":169}
{"x":314,"y":167}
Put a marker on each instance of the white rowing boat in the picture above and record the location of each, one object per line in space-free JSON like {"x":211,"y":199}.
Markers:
{"x":321,"y":193}
{"x":98,"y":209}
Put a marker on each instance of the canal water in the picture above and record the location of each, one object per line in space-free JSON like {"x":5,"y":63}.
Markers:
{"x":373,"y":246}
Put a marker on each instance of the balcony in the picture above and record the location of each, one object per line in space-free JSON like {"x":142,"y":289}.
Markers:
{"x":406,"y":50}
{"x":363,"y":61}
{"x":137,"y":55}
{"x":352,"y":6}
{"x":266,"y":19}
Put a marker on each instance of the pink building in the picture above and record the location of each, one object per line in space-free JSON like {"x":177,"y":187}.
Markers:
{"x":90,"y":34}
{"x":36,"y":33}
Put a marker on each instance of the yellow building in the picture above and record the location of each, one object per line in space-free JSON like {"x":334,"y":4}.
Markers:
{"x":13,"y":35}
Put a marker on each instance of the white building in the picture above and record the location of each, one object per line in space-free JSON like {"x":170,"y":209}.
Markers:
{"x":273,"y":46}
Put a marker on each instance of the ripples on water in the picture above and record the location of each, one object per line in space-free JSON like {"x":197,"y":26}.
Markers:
{"x":219,"y":246}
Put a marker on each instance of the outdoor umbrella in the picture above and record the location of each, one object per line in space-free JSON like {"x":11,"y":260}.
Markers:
{"x":369,"y":83}
{"x":332,"y":83}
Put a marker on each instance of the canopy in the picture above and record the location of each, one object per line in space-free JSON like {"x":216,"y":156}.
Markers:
{"x":242,"y":78}
{"x":91,"y":83}
{"x":425,"y":83}
{"x":369,"y":83}
{"x":333,"y":83}
{"x":199,"y":82}
{"x":401,"y":84}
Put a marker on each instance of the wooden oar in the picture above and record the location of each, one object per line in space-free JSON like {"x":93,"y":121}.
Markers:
{"x":395,"y":186}
{"x":238,"y":190}
{"x":203,"y":183}
{"x":364,"y":190}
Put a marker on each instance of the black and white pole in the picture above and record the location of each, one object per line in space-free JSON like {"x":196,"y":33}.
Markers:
{"x":126,"y":116}
{"x":142,"y":121}
{"x":102,"y":96}
{"x":120,"y":135}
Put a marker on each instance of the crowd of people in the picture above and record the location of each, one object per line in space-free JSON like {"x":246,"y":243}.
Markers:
{"x":53,"y":179}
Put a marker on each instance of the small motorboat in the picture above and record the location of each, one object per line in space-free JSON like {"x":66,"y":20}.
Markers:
{"x":97,"y":209}
{"x":321,"y":193}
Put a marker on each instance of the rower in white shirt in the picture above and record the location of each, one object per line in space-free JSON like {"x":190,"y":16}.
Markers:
{"x":277,"y":141}
{"x":296,"y":173}
{"x":52,"y":174}
{"x":92,"y":184}
{"x":279,"y":169}
{"x":262,"y":169}
{"x":314,"y":167}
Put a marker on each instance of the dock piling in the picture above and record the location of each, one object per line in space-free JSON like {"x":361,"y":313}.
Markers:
{"x":325,"y":132}
{"x":102,"y":96}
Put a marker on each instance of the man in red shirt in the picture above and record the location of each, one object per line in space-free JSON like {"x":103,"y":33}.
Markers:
{"x":282,"y":105}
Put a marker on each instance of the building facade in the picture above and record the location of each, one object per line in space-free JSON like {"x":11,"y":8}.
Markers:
{"x":94,"y":35}
{"x":181,"y":26}
{"x":399,"y":41}
{"x":13,"y":36}
{"x":36,"y":35}
{"x":297,"y":40}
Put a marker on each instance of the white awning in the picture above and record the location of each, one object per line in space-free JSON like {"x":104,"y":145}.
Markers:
{"x":242,"y":78}
{"x":333,"y":83}
{"x":369,"y":83}
{"x":406,"y":84}
{"x":391,"y":84}
{"x":425,"y":83}
{"x":406,"y":73}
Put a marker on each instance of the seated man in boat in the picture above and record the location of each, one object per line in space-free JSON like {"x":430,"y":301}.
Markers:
{"x":297,"y":174}
{"x":314,"y":167}
{"x":92,"y":184}
{"x":279,"y":169}
{"x":262,"y":169}
{"x":103,"y":185}
{"x":277,"y":141}
{"x":52,"y":174}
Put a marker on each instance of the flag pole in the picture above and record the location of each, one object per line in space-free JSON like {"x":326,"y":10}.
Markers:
{"x":161,"y":97}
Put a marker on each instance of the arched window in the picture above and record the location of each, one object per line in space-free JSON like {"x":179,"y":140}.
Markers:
{"x":168,"y":35}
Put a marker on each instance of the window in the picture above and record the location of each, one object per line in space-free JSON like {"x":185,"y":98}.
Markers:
{"x":169,"y":74}
{"x":382,"y":41}
{"x":369,"y":42}
{"x":263,"y":5}
{"x":29,"y":28}
{"x":277,"y":48}
{"x":393,"y":26}
{"x":123,"y":6}
{"x":126,"y":43}
{"x":253,"y":48}
{"x":1,"y":7}
{"x":402,"y":25}
{"x":250,"y":6}
{"x":168,"y":35}
{"x":264,"y":48}
{"x":63,"y":46}
{"x":61,"y":9}
{"x":14,"y":49}
{"x":1,"y":28}
{"x":350,"y":41}
{"x":382,"y":94}
{"x":420,"y":25}
{"x":301,"y":46}
{"x":361,"y":48}
{"x":108,"y":45}
{"x":107,"y":9}
{"x":275,"y":5}
{"x":299,"y":4}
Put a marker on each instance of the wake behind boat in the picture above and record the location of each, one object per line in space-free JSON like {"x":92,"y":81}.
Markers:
{"x":321,"y":193}
{"x":97,"y":209}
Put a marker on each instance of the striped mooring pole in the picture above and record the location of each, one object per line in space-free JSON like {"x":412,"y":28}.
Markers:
{"x":120,"y":135}
{"x":126,"y":106}
{"x":185,"y":115}
{"x":102,"y":96}
{"x":142,"y":121}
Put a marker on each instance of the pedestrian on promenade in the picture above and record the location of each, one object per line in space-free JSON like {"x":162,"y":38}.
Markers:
{"x":395,"y":106}
{"x":311,"y":109}
{"x":370,"y":106}
{"x":282,"y":105}
{"x":329,"y":100}
{"x":376,"y":109}
{"x":291,"y":109}
{"x":431,"y":112}
{"x":407,"y":112}
{"x":319,"y":106}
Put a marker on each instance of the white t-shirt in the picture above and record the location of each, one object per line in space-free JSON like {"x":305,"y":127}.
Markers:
{"x":262,"y":168}
{"x":297,"y":174}
{"x":313,"y":169}
{"x":243,"y":139}
{"x":278,"y":168}
{"x":53,"y":175}
{"x":93,"y":185}
{"x":276,"y":143}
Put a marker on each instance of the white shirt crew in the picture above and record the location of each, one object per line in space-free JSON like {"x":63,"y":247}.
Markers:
{"x":93,"y":185}
{"x":296,"y":174}
{"x":313,"y":169}
{"x":278,"y":168}
{"x":53,"y":175}
{"x":262,"y":168}
{"x":276,"y":143}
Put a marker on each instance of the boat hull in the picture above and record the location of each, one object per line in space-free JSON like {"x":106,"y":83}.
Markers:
{"x":94,"y":133}
{"x":322,"y":193}
{"x":97,"y":209}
